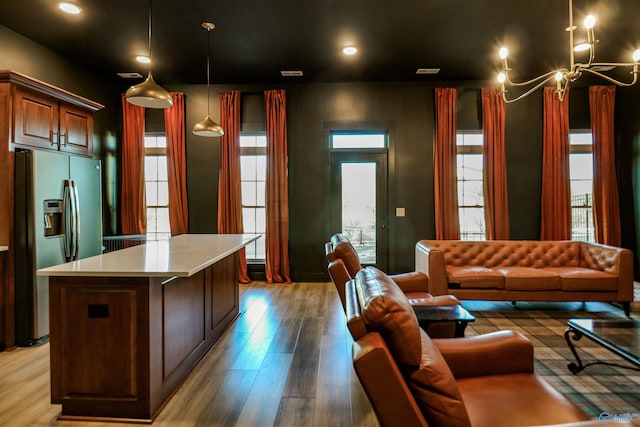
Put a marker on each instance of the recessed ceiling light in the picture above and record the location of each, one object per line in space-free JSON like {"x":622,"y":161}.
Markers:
{"x":69,"y":8}
{"x":143,"y":59}
{"x":349,"y":50}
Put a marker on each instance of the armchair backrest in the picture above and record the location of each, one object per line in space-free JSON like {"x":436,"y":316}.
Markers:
{"x":425,"y":378}
{"x":390,"y":397}
{"x":344,"y":262}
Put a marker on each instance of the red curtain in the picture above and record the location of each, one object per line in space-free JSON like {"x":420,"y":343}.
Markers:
{"x":445,"y":174}
{"x":277,"y":192}
{"x":496,"y":203}
{"x":177,"y":165}
{"x":229,"y":196}
{"x":133,"y":206}
{"x":556,"y":191}
{"x":606,"y":208}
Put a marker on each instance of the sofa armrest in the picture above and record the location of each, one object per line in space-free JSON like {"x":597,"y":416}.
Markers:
{"x":613,"y":260}
{"x":502,"y":352}
{"x":411,"y":282}
{"x":430,"y":260}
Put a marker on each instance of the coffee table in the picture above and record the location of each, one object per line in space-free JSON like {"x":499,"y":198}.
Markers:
{"x":621,"y":337}
{"x":444,"y":313}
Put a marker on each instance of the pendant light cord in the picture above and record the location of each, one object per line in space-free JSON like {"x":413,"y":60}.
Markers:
{"x":208,"y":71}
{"x":150,"y":13}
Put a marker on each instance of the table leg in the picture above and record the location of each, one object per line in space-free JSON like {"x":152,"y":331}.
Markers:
{"x":460,"y":327}
{"x":576,"y":336}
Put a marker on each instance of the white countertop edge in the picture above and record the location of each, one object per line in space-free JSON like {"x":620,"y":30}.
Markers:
{"x":4,"y":248}
{"x":71,"y":269}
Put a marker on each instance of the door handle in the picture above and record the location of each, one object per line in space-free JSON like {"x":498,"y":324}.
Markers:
{"x":76,"y":221}
{"x":66,"y":220}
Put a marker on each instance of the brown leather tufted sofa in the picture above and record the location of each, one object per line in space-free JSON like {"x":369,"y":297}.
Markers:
{"x":412,"y":380}
{"x":344,"y":264}
{"x":516,"y":270}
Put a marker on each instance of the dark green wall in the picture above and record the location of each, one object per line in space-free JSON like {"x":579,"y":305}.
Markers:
{"x":407,"y":109}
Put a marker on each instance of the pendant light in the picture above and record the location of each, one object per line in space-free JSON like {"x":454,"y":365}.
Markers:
{"x":149,"y":94}
{"x":208,"y":127}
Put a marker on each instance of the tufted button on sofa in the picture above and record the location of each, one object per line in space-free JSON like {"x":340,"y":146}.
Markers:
{"x":413,"y":380}
{"x":516,"y":270}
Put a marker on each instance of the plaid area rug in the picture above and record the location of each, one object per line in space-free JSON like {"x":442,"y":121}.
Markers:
{"x":599,"y":388}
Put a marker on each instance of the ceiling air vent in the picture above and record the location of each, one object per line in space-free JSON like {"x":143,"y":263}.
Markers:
{"x":291,"y":73}
{"x":427,"y":70}
{"x":130,"y":75}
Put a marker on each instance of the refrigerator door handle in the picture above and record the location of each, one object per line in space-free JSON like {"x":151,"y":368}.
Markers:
{"x":67,"y":218}
{"x":76,"y":213}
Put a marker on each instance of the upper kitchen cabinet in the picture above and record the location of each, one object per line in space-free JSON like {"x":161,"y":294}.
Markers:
{"x":47,"y":117}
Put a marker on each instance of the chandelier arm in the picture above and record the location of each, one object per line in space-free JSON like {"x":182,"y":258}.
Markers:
{"x":612,"y":80}
{"x":613,"y":64}
{"x":530,"y":82}
{"x":527,"y":93}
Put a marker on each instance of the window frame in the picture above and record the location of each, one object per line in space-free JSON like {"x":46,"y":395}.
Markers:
{"x":590,"y":228}
{"x":254,"y":247}
{"x":157,"y":152}
{"x":471,"y":150}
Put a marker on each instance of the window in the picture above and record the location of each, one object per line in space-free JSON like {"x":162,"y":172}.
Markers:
{"x":470,"y":185}
{"x":253,"y":174}
{"x":358,"y":140}
{"x":581,"y":178}
{"x":156,"y":187}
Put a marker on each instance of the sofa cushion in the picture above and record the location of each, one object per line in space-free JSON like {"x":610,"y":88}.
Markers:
{"x":435,"y":389}
{"x":385,"y":309}
{"x":530,"y":279}
{"x":497,"y":401}
{"x":585,"y":279}
{"x":475,"y":277}
{"x":343,"y":249}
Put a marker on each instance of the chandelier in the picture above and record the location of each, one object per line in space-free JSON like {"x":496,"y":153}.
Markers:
{"x":565,"y":76}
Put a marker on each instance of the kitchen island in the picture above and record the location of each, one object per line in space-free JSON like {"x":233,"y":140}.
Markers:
{"x":129,"y":325}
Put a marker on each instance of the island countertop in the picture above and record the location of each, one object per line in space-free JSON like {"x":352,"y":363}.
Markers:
{"x":181,"y":256}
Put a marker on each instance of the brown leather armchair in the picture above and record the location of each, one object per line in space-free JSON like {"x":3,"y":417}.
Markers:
{"x":344,"y":263}
{"x":411,"y":380}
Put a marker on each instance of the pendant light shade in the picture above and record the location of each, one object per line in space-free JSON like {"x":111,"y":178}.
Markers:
{"x":149,"y":94}
{"x":207,"y":127}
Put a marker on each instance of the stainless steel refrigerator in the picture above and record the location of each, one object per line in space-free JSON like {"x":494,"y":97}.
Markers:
{"x":58,"y":218}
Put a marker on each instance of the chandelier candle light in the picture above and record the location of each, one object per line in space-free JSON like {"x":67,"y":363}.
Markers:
{"x":565,"y":76}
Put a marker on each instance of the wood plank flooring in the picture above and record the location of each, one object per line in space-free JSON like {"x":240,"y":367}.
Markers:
{"x":286,"y":361}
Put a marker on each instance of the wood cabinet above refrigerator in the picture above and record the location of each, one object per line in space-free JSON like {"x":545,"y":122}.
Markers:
{"x":46,"y":117}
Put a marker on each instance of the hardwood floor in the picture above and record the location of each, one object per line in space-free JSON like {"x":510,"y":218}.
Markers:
{"x":286,"y":361}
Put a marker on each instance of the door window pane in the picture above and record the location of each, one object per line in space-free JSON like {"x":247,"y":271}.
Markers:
{"x":359,"y":208}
